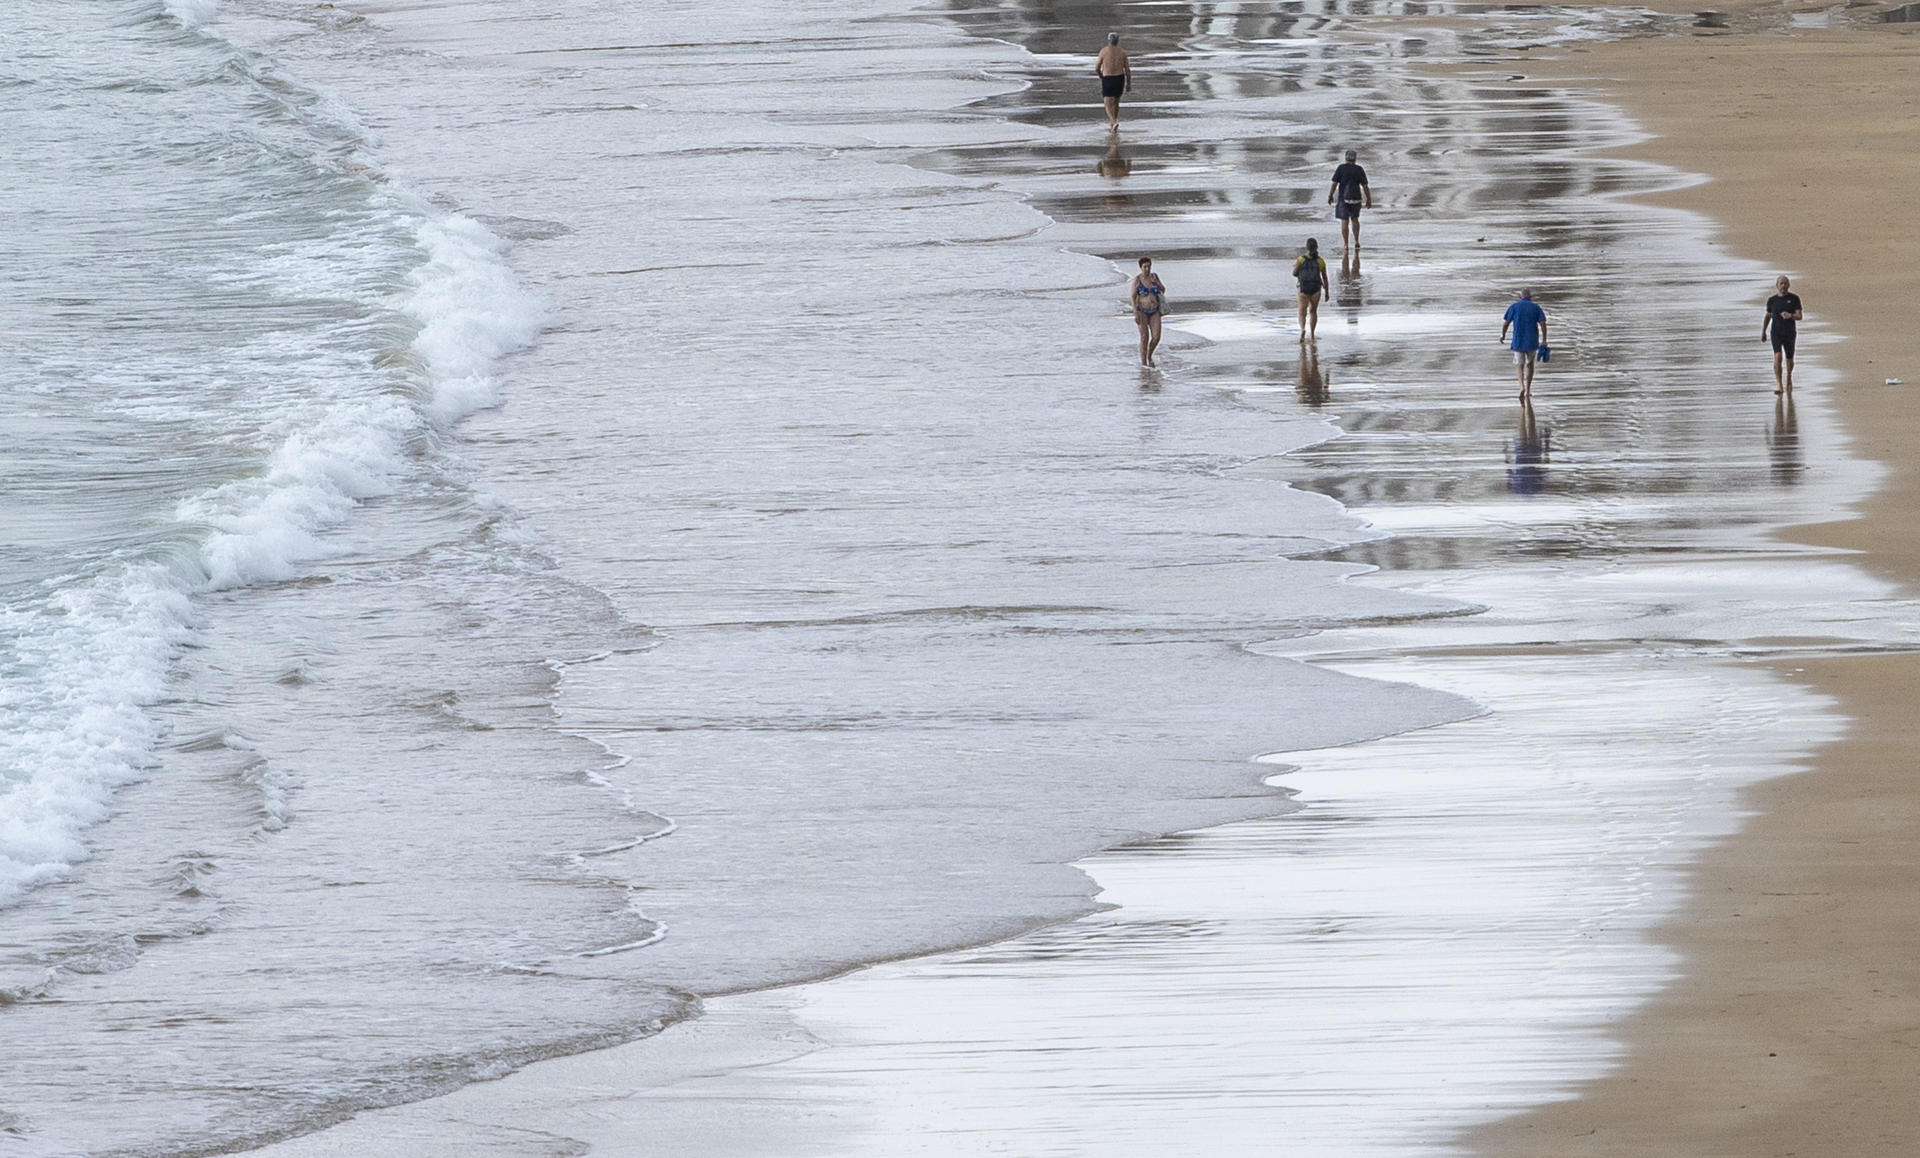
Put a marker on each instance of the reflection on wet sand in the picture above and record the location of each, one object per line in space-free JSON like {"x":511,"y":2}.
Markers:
{"x":1114,"y":165}
{"x":1528,"y":455}
{"x":1313,"y":381}
{"x":1372,"y":1021}
{"x":1783,"y":442}
{"x":1349,"y":292}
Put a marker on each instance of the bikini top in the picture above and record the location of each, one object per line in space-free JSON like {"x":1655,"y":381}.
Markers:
{"x":1148,"y":289}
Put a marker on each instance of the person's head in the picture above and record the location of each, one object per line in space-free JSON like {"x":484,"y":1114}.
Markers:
{"x":1313,"y":248}
{"x":1526,"y":295}
{"x":1352,"y":156}
{"x":1781,"y":283}
{"x":1113,"y":38}
{"x":1146,"y":265}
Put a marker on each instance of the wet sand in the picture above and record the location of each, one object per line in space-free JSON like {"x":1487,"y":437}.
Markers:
{"x":1476,"y":495}
{"x":1793,"y":1028}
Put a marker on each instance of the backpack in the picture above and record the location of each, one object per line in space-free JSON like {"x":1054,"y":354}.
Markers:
{"x":1308,"y":271}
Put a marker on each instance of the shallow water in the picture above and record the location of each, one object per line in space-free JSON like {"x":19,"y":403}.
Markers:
{"x":1445,"y":927}
{"x":384,"y":742}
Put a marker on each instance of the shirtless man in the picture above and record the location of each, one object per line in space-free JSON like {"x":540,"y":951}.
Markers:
{"x":1115,"y":76}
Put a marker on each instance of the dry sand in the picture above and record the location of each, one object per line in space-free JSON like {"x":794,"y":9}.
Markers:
{"x":1796,"y":1028}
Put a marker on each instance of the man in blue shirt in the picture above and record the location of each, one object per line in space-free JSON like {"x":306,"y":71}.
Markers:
{"x":1529,"y":325}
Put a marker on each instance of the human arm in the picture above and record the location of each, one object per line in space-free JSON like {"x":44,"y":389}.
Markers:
{"x":1366,"y":191}
{"x":1331,"y":188}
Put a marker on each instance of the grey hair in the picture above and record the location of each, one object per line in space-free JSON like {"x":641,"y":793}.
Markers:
{"x":1113,"y":38}
{"x":1527,"y":294}
{"x":1351,"y":154}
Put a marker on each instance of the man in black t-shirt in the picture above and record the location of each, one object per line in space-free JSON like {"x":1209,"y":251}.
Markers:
{"x":1348,"y":194}
{"x":1783,"y":311}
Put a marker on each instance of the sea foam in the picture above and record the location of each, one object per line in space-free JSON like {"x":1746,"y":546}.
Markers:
{"x":471,"y":311}
{"x":192,"y":13}
{"x":87,"y":658}
{"x":91,"y":652}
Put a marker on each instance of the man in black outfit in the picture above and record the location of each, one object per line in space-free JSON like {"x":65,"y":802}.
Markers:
{"x":1783,"y":310}
{"x":1348,"y":194}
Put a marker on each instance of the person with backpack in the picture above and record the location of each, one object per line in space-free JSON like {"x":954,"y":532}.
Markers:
{"x":1310,"y":271}
{"x":1348,"y":194}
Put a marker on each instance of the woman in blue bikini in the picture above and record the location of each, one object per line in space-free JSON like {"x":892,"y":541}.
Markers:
{"x":1148,"y":297}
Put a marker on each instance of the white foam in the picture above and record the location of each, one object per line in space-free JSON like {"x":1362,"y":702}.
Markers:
{"x":192,"y":13}
{"x":472,"y":313}
{"x":88,"y":658}
{"x":93,"y":652}
{"x":262,"y":529}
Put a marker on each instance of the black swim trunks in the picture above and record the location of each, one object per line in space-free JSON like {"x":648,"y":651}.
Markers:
{"x":1781,"y":330}
{"x":1113,"y":86}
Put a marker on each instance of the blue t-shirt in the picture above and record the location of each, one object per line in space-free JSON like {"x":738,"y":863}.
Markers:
{"x":1526,"y":318}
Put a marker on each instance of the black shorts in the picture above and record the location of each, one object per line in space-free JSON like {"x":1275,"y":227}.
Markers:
{"x":1113,"y":86}
{"x":1782,"y":339}
{"x":1346,"y":210}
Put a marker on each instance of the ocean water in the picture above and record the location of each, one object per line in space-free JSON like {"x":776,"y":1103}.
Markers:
{"x":358,"y":657}
{"x":530,"y":518}
{"x":1452,"y":921}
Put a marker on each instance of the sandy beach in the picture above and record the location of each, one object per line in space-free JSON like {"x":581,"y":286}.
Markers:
{"x":1592,"y":565}
{"x":1792,"y":1031}
{"x":646,"y":605}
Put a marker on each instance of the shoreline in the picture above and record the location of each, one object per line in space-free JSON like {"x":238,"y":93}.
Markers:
{"x":1789,"y":1030}
{"x":752,"y":1038}
{"x":584,"y":1089}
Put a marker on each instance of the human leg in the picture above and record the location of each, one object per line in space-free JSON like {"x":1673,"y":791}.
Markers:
{"x":1146,"y":350}
{"x":1155,"y":343}
{"x":1303,"y":316}
{"x":1313,"y":314}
